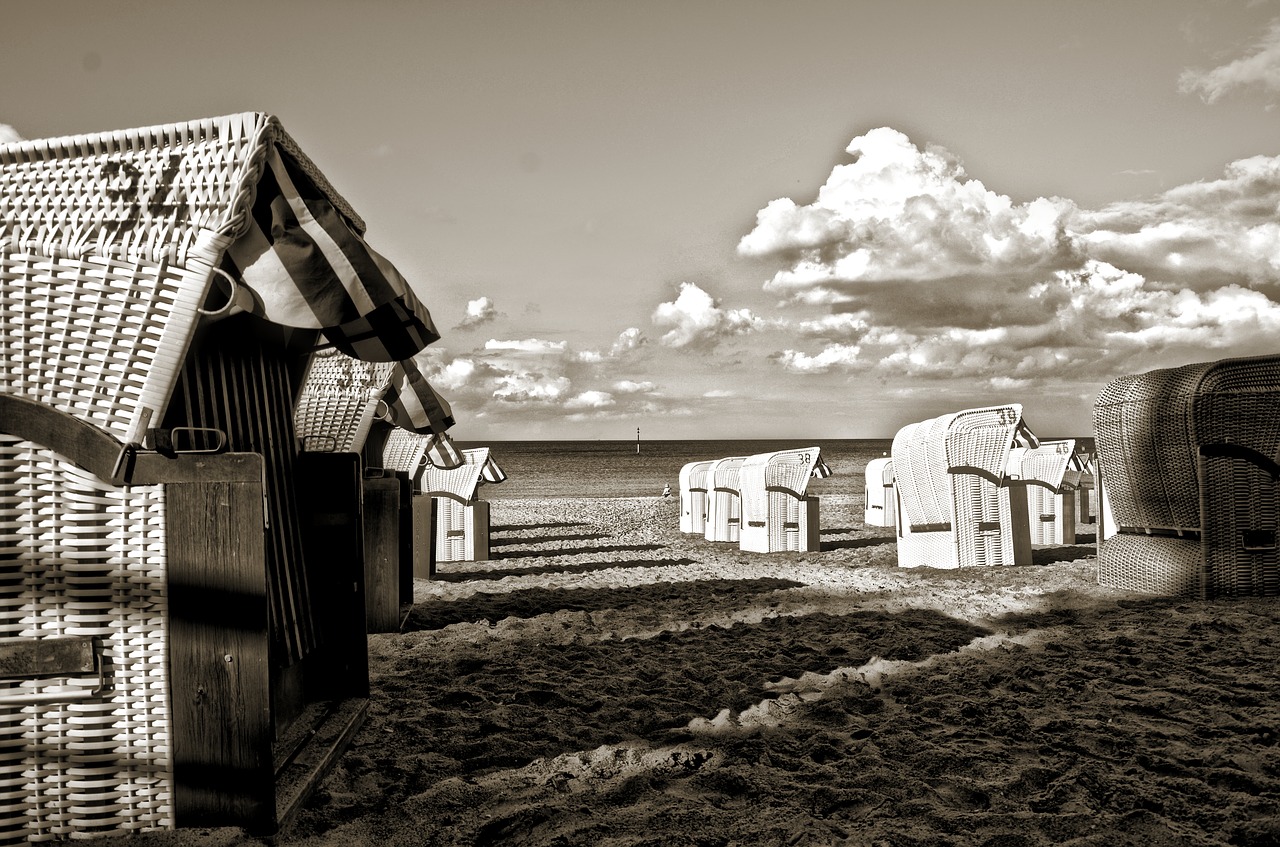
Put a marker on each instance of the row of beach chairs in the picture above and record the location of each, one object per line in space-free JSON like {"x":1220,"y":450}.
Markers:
{"x":761,"y":502}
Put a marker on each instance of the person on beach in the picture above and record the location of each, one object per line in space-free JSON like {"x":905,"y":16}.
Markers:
{"x":666,"y":490}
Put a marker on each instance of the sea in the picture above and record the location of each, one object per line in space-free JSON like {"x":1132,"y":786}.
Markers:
{"x":537,"y":469}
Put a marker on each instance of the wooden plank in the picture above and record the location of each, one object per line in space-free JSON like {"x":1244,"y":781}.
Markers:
{"x":28,"y":658}
{"x":382,"y":554}
{"x":219,"y":654}
{"x":331,"y":508}
{"x":423,"y":557}
{"x":96,"y":451}
{"x":299,"y":777}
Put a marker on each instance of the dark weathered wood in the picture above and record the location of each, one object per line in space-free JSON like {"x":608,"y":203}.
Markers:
{"x":382,"y":554}
{"x":219,"y":654}
{"x":480,"y":530}
{"x":27,"y":658}
{"x":303,"y":772}
{"x":331,"y":509}
{"x":84,"y":444}
{"x":420,"y":552}
{"x":153,"y":469}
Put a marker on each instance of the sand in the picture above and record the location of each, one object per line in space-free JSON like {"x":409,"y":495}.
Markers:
{"x":605,"y":680}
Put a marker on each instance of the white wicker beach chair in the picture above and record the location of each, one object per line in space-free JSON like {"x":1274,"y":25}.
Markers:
{"x":693,"y":497}
{"x":724,"y":503}
{"x":123,"y":257}
{"x":1051,"y":498}
{"x":880,"y":494}
{"x":340,"y":400}
{"x":777,"y":514}
{"x":461,"y":524}
{"x":1187,"y":472}
{"x":957,"y":507}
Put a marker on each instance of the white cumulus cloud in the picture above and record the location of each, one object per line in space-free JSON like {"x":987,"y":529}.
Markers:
{"x":694,"y":319}
{"x":901,"y":214}
{"x":8,"y":134}
{"x":480,"y":311}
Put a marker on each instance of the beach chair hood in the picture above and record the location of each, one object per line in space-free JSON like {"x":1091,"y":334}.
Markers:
{"x":460,"y":483}
{"x":124,"y":240}
{"x":1045,"y":465}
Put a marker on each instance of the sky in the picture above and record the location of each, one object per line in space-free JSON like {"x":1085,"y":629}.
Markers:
{"x":705,"y":219}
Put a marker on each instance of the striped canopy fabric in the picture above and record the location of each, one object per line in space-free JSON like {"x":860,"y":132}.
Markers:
{"x":415,"y":405}
{"x":306,"y":267}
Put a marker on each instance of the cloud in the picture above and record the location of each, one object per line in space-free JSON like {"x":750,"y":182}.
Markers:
{"x":832,"y":356}
{"x":694,"y":319}
{"x":629,"y":340}
{"x":930,"y":275}
{"x":1201,"y":234}
{"x":900,"y":214}
{"x":479,"y":312}
{"x":8,"y":134}
{"x":535,"y":382}
{"x":590,"y":400}
{"x":1260,"y":67}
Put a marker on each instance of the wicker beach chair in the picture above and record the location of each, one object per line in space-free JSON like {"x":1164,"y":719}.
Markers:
{"x":146,"y":314}
{"x":1187,"y":470}
{"x":461,"y":519}
{"x":879,"y":497}
{"x":1051,"y":498}
{"x":340,"y":400}
{"x":777,"y":513}
{"x":724,"y":503}
{"x":693,"y":497}
{"x":957,"y":506}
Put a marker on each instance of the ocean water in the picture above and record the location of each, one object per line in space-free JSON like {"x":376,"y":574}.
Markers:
{"x":615,"y":469}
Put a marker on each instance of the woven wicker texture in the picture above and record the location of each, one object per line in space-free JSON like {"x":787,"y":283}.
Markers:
{"x":458,"y":483}
{"x":339,"y":402}
{"x":404,"y":451}
{"x":879,"y":498}
{"x":1151,"y":429}
{"x":949,"y":471}
{"x":107,"y":248}
{"x":80,"y":558}
{"x":771,"y":486}
{"x":724,"y":504}
{"x":920,"y":465}
{"x":693,"y":497}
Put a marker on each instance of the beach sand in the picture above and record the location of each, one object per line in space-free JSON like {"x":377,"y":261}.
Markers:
{"x":605,"y":680}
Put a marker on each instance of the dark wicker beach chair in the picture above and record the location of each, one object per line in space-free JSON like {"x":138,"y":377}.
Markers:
{"x":1187,"y":468}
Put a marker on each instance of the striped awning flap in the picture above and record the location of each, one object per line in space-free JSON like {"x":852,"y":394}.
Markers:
{"x":821,"y":470}
{"x":491,"y":473}
{"x":442,"y":453}
{"x":306,"y":267}
{"x":414,"y":404}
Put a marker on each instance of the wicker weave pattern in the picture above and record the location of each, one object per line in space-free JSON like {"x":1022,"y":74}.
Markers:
{"x":339,"y":401}
{"x":459,"y":483}
{"x":1150,"y":431}
{"x":920,"y":464}
{"x":82,"y":558}
{"x":107,"y":248}
{"x":693,"y":497}
{"x":1152,"y":564}
{"x":404,"y":451}
{"x":768,"y":484}
{"x":144,"y":193}
{"x":724,"y":505}
{"x":949,"y":471}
